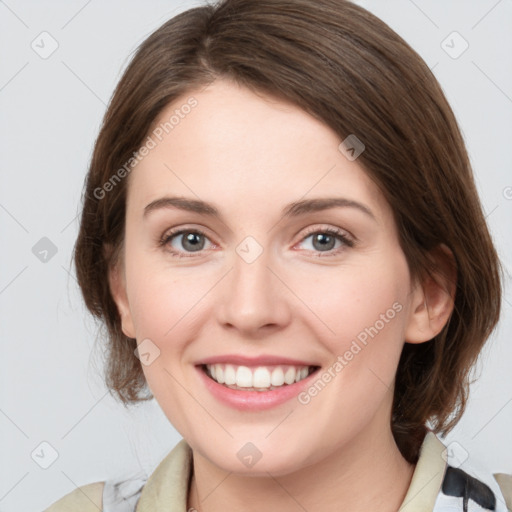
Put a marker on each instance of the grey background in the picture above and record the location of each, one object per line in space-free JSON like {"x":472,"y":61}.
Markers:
{"x":50,"y":111}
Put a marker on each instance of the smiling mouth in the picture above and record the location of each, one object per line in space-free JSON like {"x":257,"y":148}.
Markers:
{"x":257,"y":378}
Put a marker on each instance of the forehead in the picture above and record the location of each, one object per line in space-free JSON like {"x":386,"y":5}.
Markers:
{"x":235,"y":147}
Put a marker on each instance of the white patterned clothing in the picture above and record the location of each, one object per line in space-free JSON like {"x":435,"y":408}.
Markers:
{"x":437,"y":485}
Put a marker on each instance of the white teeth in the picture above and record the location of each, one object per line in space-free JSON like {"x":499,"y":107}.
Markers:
{"x":289,"y":376}
{"x":277,"y":377}
{"x":243,"y":377}
{"x":219,"y":374}
{"x":260,"y":378}
{"x":229,"y":375}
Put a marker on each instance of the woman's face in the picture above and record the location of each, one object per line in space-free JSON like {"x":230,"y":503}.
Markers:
{"x":268,"y":280}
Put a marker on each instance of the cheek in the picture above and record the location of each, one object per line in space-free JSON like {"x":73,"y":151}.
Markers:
{"x":352,"y":299}
{"x":160,"y":303}
{"x":363,"y":315}
{"x":165,"y":306}
{"x":166,"y":301}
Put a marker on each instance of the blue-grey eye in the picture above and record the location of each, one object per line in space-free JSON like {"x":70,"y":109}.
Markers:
{"x":186,"y":241}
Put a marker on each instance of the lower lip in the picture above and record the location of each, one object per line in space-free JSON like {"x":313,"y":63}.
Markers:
{"x":253,"y":400}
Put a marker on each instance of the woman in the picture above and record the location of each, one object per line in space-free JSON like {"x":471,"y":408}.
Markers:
{"x":278,"y":231}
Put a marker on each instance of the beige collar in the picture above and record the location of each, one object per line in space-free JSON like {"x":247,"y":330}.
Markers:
{"x":168,"y":485}
{"x":427,"y":477}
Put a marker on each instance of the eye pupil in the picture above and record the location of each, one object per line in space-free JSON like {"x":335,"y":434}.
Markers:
{"x":326,"y":241}
{"x":193,"y":242}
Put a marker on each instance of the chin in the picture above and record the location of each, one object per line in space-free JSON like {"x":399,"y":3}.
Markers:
{"x":257,"y":459}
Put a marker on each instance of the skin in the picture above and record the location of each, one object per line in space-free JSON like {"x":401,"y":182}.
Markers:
{"x":251,"y":155}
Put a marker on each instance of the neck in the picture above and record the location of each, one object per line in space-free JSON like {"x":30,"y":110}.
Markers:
{"x":369,"y":473}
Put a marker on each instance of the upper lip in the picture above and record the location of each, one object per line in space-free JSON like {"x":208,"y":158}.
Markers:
{"x":263,"y":360}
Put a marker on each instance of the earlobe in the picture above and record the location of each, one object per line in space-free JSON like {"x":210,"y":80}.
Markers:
{"x":117,"y":283}
{"x":433,"y":299}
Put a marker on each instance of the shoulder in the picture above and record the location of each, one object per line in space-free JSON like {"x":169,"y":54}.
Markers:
{"x":505,"y":483}
{"x":114,"y":495}
{"x":474,"y":486}
{"x":446,"y":480}
{"x":167,"y":484}
{"x":87,"y":498}
{"x":475,"y":489}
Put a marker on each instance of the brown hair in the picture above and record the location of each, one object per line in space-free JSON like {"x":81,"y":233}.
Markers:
{"x":347,"y":68}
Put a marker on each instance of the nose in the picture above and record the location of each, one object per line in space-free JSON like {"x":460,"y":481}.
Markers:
{"x":253,"y":299}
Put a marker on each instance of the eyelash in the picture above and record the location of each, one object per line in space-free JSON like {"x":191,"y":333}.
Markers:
{"x":338,"y":234}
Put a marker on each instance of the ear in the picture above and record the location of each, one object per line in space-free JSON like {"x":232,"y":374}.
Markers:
{"x":117,"y":283}
{"x":433,"y":299}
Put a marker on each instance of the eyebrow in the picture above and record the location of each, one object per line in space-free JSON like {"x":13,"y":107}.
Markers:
{"x":294,"y":209}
